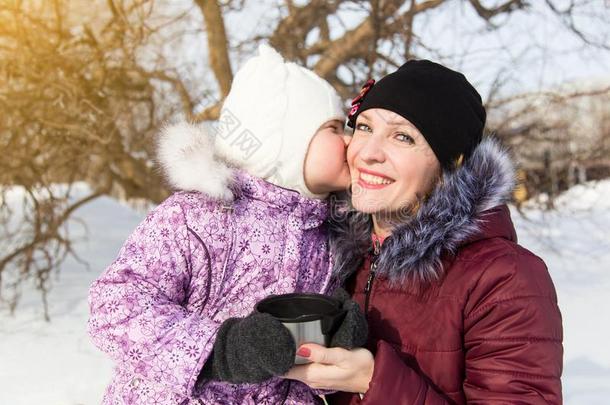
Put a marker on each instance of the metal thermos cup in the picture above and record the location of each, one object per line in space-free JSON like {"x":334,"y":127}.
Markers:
{"x":310,"y":318}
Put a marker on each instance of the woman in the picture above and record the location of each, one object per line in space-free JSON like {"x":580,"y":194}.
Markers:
{"x":458,"y":312}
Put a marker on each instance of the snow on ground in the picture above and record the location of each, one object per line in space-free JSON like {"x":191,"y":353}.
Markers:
{"x":574,"y":241}
{"x":56,"y":364}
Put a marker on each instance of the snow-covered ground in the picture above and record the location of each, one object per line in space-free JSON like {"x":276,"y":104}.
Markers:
{"x":574,"y":241}
{"x":55,"y":364}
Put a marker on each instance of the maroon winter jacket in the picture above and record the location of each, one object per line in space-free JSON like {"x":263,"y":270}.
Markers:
{"x":488,"y":331}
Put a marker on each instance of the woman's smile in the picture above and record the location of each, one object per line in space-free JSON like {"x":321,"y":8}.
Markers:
{"x":373,"y":180}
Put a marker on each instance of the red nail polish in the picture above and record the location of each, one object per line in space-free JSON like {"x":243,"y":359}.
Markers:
{"x":303,"y":352}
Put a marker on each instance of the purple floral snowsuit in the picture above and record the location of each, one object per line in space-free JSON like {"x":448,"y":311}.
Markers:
{"x":192,"y":263}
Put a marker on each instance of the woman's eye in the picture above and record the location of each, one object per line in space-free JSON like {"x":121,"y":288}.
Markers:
{"x":363,"y":127}
{"x":405,"y":138}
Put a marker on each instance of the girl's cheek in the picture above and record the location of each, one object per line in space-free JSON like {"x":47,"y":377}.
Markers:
{"x":342,"y":146}
{"x":330,"y":152}
{"x":340,"y":154}
{"x":338,"y":150}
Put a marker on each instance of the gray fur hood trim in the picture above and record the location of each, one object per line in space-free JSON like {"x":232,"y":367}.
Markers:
{"x":449,"y":218}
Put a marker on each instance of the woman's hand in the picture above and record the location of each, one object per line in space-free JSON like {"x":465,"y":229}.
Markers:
{"x":334,"y":369}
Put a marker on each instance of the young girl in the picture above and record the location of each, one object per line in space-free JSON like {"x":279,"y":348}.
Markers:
{"x":175,"y":309}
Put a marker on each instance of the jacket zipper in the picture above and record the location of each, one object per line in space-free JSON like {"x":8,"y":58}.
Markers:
{"x":369,"y":281}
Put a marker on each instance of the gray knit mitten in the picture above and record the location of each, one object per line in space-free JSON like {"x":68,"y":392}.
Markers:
{"x":353,"y":331}
{"x":250,"y":350}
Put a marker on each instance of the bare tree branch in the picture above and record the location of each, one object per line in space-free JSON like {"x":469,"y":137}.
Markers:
{"x":217,"y":44}
{"x":567,"y":17}
{"x":504,"y":8}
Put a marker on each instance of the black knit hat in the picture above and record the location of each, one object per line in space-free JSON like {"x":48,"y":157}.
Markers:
{"x":440,"y":102}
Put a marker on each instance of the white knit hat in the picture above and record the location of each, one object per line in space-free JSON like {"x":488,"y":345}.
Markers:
{"x":270,"y":116}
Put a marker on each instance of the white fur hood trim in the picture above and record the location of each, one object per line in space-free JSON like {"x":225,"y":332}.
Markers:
{"x":185,"y":153}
